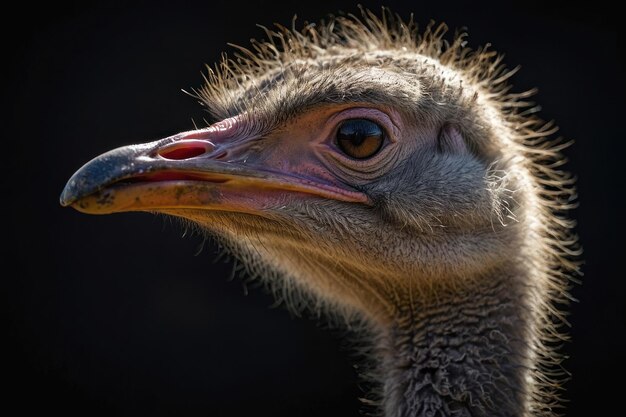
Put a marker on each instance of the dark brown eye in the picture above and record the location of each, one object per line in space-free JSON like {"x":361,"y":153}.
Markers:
{"x":360,"y":138}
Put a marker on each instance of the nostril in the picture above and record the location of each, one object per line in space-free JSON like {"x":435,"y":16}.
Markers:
{"x":182,"y":153}
{"x":185,"y":150}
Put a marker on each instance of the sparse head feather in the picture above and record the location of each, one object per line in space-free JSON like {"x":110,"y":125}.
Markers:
{"x":241,"y":81}
{"x":389,"y":61}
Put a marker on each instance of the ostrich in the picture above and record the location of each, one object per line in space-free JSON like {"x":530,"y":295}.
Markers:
{"x":384,"y":176}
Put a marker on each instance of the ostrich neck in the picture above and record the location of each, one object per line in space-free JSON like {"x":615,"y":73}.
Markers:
{"x":458,"y":353}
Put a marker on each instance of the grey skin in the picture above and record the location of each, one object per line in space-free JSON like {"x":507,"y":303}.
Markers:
{"x":447,"y":244}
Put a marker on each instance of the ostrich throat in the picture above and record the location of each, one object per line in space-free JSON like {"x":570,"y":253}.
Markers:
{"x":442,"y":345}
{"x":458,"y":352}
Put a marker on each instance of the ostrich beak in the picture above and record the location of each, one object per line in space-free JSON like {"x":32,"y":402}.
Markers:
{"x":201,"y":169}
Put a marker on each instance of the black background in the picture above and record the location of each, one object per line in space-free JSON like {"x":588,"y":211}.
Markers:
{"x":117,"y":315}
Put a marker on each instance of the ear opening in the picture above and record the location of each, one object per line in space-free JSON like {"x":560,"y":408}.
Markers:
{"x":451,"y":141}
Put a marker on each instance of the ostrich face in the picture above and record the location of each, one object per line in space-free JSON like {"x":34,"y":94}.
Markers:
{"x":349,"y":176}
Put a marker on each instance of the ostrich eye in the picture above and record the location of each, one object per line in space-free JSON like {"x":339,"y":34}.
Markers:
{"x":360,"y":138}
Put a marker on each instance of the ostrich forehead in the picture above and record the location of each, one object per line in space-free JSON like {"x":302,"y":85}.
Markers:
{"x":387,"y":63}
{"x":410,"y":83}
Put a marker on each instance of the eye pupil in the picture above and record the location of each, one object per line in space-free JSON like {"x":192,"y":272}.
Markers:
{"x":360,"y":138}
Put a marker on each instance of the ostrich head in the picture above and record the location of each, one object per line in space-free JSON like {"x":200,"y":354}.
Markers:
{"x":381,"y":174}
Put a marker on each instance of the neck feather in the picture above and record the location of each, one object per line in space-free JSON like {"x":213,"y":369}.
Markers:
{"x":458,"y":353}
